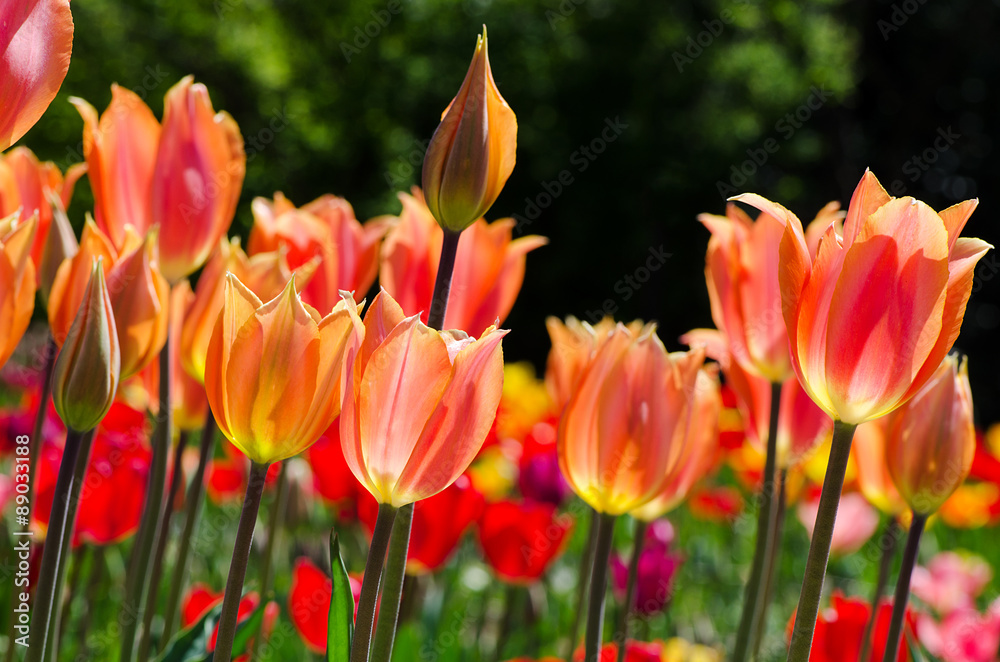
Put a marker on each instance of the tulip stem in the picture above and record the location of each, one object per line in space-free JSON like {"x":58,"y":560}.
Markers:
{"x":91,"y":597}
{"x":903,"y":586}
{"x":887,"y":541}
{"x":392,"y":589}
{"x":62,"y":517}
{"x":583,"y":581}
{"x":766,"y":516}
{"x":275,"y":520}
{"x":370,"y":584}
{"x":819,"y":548}
{"x":633,"y":575}
{"x":771,"y":568}
{"x":51,"y":350}
{"x":137,"y":581}
{"x":598,"y":586}
{"x":442,"y":283}
{"x":192,"y":509}
{"x":238,"y":567}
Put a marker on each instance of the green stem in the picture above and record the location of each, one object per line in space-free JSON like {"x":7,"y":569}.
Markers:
{"x":903,"y":587}
{"x":238,"y":566}
{"x":192,"y":510}
{"x":888,"y":546}
{"x":442,"y":282}
{"x":370,"y":584}
{"x":43,"y":407}
{"x":771,"y":566}
{"x":583,"y":581}
{"x":78,"y":560}
{"x":598,"y":586}
{"x":274,"y":521}
{"x":621,"y":637}
{"x":510,"y":595}
{"x":137,"y":581}
{"x":92,"y":597}
{"x":766,"y":516}
{"x":819,"y":548}
{"x":392,"y":589}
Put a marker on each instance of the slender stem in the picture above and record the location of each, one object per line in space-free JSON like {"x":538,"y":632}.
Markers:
{"x":92,"y":597}
{"x":137,"y":581}
{"x":192,"y":509}
{"x":238,"y":567}
{"x":510,"y":595}
{"x":633,"y":575}
{"x":766,"y":515}
{"x":43,"y":407}
{"x":79,"y":559}
{"x":365,"y":618}
{"x":392,"y":589}
{"x":771,"y":567}
{"x":583,"y":581}
{"x":903,"y":587}
{"x":598,"y":586}
{"x":819,"y":548}
{"x":274,"y":521}
{"x":442,"y":283}
{"x":413,"y":595}
{"x":176,"y":480}
{"x":888,"y":545}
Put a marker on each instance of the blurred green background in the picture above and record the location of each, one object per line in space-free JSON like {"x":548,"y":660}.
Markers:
{"x":786,"y":98}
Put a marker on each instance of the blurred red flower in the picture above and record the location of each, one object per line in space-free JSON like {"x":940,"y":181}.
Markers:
{"x":840,"y":628}
{"x":520,"y":539}
{"x":309,"y":603}
{"x":200,"y":598}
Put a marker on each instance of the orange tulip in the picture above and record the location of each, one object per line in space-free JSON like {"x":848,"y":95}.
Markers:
{"x":86,"y":372}
{"x":420,"y":404}
{"x":873,"y":315}
{"x":36,"y":39}
{"x":472,"y":152}
{"x":17,"y":281}
{"x":874,"y":480}
{"x":700,"y":448}
{"x":931,"y":440}
{"x":325,"y":227}
{"x":741,"y":269}
{"x":264,"y":274}
{"x":60,"y":245}
{"x":274,"y":370}
{"x":200,"y":164}
{"x":120,"y":148}
{"x":489,"y":267}
{"x":623,"y":432}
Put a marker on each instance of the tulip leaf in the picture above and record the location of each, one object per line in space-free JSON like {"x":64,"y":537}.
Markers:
{"x":341,"y":622}
{"x":191,"y":644}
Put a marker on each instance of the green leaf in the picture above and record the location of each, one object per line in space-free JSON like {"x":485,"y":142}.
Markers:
{"x":191,"y":644}
{"x":341,"y":623}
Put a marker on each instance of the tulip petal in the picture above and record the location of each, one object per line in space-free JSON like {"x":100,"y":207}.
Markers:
{"x":868,"y":197}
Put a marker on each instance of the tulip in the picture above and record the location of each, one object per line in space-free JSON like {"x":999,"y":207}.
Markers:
{"x":326,"y":227}
{"x":521,"y":539}
{"x":36,"y":39}
{"x":656,"y":566}
{"x":60,"y":245}
{"x":874,"y":479}
{"x":332,"y":478}
{"x":839,"y":631}
{"x":121,"y":149}
{"x":964,"y":635}
{"x":639,"y":651}
{"x":17,"y":281}
{"x":489,"y":267}
{"x":471,"y":153}
{"x":431,"y":434}
{"x":200,"y":599}
{"x":856,"y":525}
{"x":200,"y":164}
{"x":951,"y":581}
{"x":309,"y":603}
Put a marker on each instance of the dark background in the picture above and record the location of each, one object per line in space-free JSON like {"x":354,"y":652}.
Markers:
{"x":695,"y":84}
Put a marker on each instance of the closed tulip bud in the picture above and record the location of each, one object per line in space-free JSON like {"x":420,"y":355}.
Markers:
{"x":274,"y":370}
{"x":200,"y":164}
{"x":17,"y":281}
{"x":87,"y":371}
{"x":36,"y":39}
{"x":931,"y":440}
{"x":471,"y":153}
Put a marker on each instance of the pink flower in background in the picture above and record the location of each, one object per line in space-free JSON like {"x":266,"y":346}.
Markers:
{"x":658,"y":564}
{"x":964,"y":635}
{"x":951,"y":581}
{"x":856,"y":522}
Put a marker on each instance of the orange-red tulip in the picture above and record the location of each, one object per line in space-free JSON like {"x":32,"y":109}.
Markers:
{"x":472,"y":152}
{"x":120,"y":147}
{"x":274,"y":370}
{"x":265,"y":274}
{"x":872,"y":316}
{"x":931,"y":440}
{"x":874,"y":480}
{"x":326,"y":227}
{"x":36,"y":39}
{"x":489,"y":267}
{"x":200,"y":164}
{"x":420,"y":403}
{"x":86,"y":372}
{"x":17,"y":281}
{"x":623,"y":433}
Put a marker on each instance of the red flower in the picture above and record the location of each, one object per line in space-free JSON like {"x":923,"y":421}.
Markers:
{"x":716,"y":504}
{"x":635,"y":651}
{"x":227,"y":478}
{"x":309,"y":603}
{"x":332,"y":477}
{"x":200,"y":598}
{"x":438,"y":524}
{"x":521,"y":538}
{"x":840,"y":628}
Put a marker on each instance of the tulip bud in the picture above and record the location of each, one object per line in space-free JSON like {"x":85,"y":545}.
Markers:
{"x":87,"y":370}
{"x":471,"y":153}
{"x":932,"y":440}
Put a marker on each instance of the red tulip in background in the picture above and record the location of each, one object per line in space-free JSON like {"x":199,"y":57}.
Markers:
{"x":520,"y":539}
{"x":200,"y":598}
{"x":840,"y":628}
{"x":309,"y":603}
{"x":332,"y":478}
{"x":635,"y":651}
